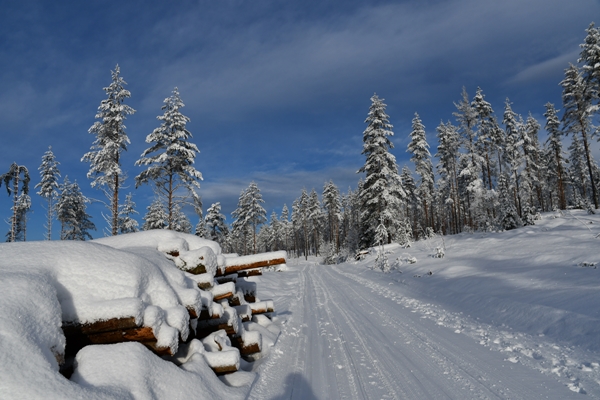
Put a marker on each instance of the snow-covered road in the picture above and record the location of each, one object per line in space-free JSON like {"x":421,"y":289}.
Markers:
{"x":344,"y":339}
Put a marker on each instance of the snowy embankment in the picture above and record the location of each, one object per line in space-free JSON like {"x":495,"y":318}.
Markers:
{"x":531,"y":293}
{"x":425,"y":330}
{"x":50,"y":285}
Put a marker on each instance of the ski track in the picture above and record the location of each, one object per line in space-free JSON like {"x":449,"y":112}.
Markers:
{"x":347,"y":337}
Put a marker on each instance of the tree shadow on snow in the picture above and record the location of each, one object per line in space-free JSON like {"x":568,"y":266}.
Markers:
{"x":296,"y":387}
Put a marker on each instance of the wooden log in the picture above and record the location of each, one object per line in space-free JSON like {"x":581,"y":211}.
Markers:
{"x":245,"y":349}
{"x":204,"y":315}
{"x":74,"y":328}
{"x":235,"y":300}
{"x":250,"y":298}
{"x":225,"y":369}
{"x":250,"y":272}
{"x":262,"y":307}
{"x":251,"y":262}
{"x":203,"y":330}
{"x":224,"y":291}
{"x":223,"y":296}
{"x":192,"y":312}
{"x":226,"y":278}
{"x":143,"y":334}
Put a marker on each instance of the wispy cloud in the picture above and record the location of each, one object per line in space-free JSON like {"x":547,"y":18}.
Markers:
{"x":543,"y":69}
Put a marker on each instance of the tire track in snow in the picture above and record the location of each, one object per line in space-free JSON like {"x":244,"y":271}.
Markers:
{"x":419,"y":365}
{"x":547,"y":358}
{"x":469,"y":379}
{"x":343,"y":346}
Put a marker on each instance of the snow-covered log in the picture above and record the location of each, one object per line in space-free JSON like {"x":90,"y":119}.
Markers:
{"x":249,"y":342}
{"x":250,"y":272}
{"x":262,"y":307}
{"x":252,"y":261}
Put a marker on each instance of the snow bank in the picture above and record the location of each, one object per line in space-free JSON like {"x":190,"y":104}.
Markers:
{"x":132,"y":371}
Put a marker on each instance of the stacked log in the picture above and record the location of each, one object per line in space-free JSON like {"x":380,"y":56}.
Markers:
{"x":218,"y":324}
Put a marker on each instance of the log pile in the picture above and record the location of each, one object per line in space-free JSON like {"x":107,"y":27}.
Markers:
{"x":219,"y":325}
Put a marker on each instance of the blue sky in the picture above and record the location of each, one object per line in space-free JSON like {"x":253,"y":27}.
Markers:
{"x":277,"y":91}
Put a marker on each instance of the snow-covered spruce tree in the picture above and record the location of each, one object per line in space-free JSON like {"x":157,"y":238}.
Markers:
{"x":200,"y":229}
{"x":105,"y":154}
{"x":488,"y":138}
{"x":578,"y":176}
{"x":512,"y":152}
{"x":420,"y":156}
{"x":531,"y":155}
{"x":273,"y":240}
{"x":22,"y":208}
{"x":155,"y":217}
{"x":508,"y":218}
{"x":171,"y":167}
{"x":181,"y":223}
{"x":48,"y":185}
{"x":300,"y":221}
{"x":215,"y":224}
{"x":315,"y":217}
{"x":556,"y":159}
{"x":127,"y":223}
{"x":382,"y":193}
{"x":249,"y":213}
{"x":412,"y":199}
{"x":447,"y":153}
{"x":577,"y":101}
{"x":286,"y":228}
{"x":71,"y":212}
{"x":18,"y":176}
{"x":381,"y":237}
{"x":470,"y":161}
{"x":590,"y":59}
{"x":332,"y":203}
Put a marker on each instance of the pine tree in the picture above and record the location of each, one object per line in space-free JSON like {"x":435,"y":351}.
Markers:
{"x":250,"y":213}
{"x":48,"y":185}
{"x":381,"y":194}
{"x":554,"y":144}
{"x":71,"y":212}
{"x":105,"y":154}
{"x":215,"y":223}
{"x":155,"y":217}
{"x":127,"y":223}
{"x":172,"y":167}
{"x":419,"y":148}
{"x":18,"y":175}
{"x":577,"y":101}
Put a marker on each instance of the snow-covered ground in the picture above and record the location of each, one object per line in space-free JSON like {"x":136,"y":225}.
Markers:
{"x":503,"y":315}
